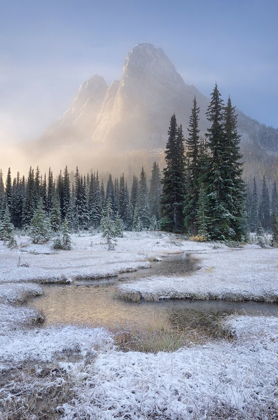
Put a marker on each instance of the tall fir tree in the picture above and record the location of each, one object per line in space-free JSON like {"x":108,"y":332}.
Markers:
{"x":143,"y":201}
{"x":274,"y":227}
{"x":66,"y":196}
{"x":216,"y":186}
{"x":2,"y":195}
{"x":50,"y":191}
{"x":18,"y":195}
{"x":155,"y":192}
{"x":202,"y":219}
{"x":232,"y":163}
{"x":193,"y":168}
{"x":173,"y":181}
{"x":134,"y":194}
{"x":96,"y":209}
{"x":8,"y":191}
{"x":55,"y":215}
{"x":274,"y":200}
{"x":254,"y":214}
{"x":123,"y":200}
{"x":264,"y":210}
{"x":110,"y":192}
{"x":30,"y":201}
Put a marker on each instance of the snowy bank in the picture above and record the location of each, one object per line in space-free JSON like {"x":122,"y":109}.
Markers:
{"x":15,"y":318}
{"x":224,"y":379}
{"x":89,"y":258}
{"x":46,"y":344}
{"x":248,"y":274}
{"x":18,"y":293}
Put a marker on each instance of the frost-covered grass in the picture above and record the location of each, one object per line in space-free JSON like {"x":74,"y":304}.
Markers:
{"x":79,"y":373}
{"x":18,"y":293}
{"x":231,"y":380}
{"x":89,"y":257}
{"x":15,"y":318}
{"x":249,"y":274}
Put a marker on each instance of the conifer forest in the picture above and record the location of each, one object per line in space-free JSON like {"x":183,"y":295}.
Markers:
{"x":200,"y":192}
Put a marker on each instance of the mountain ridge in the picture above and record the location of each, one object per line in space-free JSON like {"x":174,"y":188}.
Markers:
{"x":133,"y":113}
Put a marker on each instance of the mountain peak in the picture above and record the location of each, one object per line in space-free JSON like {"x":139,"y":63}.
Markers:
{"x":147,"y":61}
{"x":93,"y":84}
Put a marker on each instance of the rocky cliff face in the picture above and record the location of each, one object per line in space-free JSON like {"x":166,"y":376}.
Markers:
{"x":79,"y":121}
{"x":133,"y":113}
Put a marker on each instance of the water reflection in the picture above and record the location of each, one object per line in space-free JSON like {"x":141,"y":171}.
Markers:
{"x":93,"y":304}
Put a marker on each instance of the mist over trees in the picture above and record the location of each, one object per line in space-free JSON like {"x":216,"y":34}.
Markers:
{"x":200,"y":192}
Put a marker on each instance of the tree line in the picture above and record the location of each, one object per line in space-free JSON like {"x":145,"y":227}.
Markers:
{"x":82,"y":203}
{"x":201,"y":191}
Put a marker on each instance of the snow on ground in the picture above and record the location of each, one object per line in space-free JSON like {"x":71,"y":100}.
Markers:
{"x":89,"y":257}
{"x":18,"y":293}
{"x":250,"y":273}
{"x":44,"y":344}
{"x":223,"y":379}
{"x":235,"y":379}
{"x":15,"y":318}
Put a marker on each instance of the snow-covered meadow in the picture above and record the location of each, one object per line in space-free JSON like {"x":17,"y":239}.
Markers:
{"x":88,"y":377}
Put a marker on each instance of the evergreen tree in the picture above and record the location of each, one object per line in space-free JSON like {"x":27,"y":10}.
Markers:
{"x":66,"y":196}
{"x":155,"y":192}
{"x":274,"y":225}
{"x":81,"y":207}
{"x":134,"y":194}
{"x":232,"y":163}
{"x":102,"y":194}
{"x":265,"y":207}
{"x":143,"y":201}
{"x":254,"y":214}
{"x":18,"y":193}
{"x":55,"y":215}
{"x":194,"y":174}
{"x":110,"y":193}
{"x":40,"y":230}
{"x":66,"y":238}
{"x":274,"y":200}
{"x":202,"y":219}
{"x":30,"y":199}
{"x":116,"y":196}
{"x":62,"y":239}
{"x":8,"y":195}
{"x":60,"y":191}
{"x":44,"y":193}
{"x":37,"y":189}
{"x":96,"y":206}
{"x":108,"y":226}
{"x":50,"y":191}
{"x":137,"y":223}
{"x":7,"y":230}
{"x":173,"y":182}
{"x":123,"y":200}
{"x":118,"y":226}
{"x":216,"y":187}
{"x":2,"y":195}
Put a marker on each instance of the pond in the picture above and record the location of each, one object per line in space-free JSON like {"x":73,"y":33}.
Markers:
{"x":93,"y":303}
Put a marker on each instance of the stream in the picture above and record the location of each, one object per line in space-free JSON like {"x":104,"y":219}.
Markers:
{"x":93,"y":303}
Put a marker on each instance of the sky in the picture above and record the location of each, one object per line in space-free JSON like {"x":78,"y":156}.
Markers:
{"x":48,"y":47}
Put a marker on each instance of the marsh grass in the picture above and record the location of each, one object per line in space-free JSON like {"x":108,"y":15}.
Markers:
{"x":34,"y":392}
{"x":170,"y":336}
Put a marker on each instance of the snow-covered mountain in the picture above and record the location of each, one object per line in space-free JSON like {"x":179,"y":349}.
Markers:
{"x":133,"y":113}
{"x":79,"y":121}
